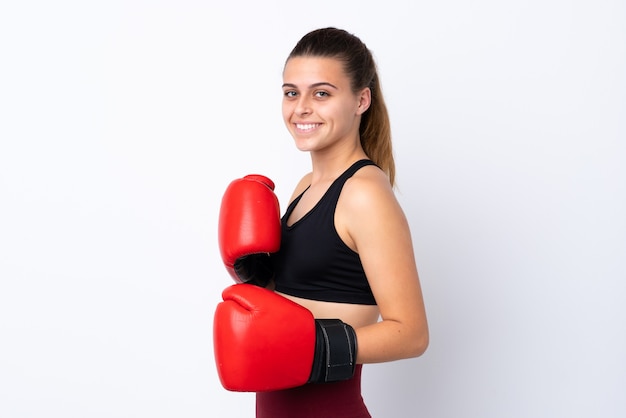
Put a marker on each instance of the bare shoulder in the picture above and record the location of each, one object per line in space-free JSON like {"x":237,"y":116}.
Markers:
{"x":368,"y":188}
{"x":368,"y":209}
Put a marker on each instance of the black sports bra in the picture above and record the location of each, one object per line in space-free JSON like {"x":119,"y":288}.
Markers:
{"x":313,"y":261}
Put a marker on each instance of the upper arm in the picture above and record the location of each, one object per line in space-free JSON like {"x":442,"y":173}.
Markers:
{"x":380,"y":234}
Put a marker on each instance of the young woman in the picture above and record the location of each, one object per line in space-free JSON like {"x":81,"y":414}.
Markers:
{"x":346,"y":249}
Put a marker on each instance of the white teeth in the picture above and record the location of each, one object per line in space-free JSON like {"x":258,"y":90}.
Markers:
{"x":306,"y":126}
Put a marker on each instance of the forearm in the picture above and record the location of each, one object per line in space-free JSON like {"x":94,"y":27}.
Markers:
{"x":390,"y":340}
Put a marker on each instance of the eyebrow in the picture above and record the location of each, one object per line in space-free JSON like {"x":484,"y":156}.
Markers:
{"x":314,"y":85}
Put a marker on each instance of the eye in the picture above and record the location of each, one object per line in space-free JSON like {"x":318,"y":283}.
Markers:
{"x":322,"y":94}
{"x":290,"y":93}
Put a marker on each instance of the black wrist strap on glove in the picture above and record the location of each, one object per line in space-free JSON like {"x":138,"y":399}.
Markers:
{"x":256,"y":269}
{"x":335,"y":351}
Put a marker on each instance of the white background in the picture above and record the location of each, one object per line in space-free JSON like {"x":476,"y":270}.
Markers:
{"x":122,"y":122}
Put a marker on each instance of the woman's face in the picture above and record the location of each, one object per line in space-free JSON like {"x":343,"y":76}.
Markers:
{"x":320,"y":109}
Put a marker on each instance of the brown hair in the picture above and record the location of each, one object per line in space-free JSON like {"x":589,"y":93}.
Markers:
{"x":359,"y":65}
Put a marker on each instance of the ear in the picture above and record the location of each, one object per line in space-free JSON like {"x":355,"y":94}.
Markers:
{"x":365,"y":100}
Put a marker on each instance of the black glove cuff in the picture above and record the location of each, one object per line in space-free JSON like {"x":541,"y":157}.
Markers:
{"x":335,"y":351}
{"x":256,"y":269}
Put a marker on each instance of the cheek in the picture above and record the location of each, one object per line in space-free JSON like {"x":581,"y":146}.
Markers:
{"x":342,"y":115}
{"x":287,"y":110}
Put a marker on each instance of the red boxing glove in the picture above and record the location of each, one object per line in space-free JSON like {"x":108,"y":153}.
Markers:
{"x":264,"y":341}
{"x":249,"y":229}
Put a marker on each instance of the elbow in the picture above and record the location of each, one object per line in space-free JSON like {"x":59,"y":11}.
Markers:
{"x":419,"y":344}
{"x":422,"y":344}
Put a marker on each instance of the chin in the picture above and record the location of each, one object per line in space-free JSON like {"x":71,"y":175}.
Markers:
{"x":304,"y":145}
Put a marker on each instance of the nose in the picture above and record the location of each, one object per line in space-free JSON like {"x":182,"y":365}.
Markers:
{"x":303,"y":107}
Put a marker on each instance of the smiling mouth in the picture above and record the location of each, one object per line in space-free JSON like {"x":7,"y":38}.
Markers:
{"x":306,"y":127}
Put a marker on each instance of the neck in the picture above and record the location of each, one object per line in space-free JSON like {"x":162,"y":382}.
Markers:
{"x":327,"y":167}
